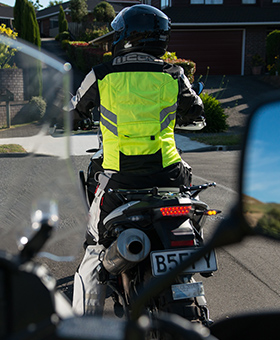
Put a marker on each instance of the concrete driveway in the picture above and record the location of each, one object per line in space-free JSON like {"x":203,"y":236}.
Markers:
{"x":237,"y":95}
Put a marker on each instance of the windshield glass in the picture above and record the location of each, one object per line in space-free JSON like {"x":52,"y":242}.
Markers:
{"x":37,"y":177}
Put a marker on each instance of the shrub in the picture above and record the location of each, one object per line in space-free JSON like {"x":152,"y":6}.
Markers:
{"x":6,"y":52}
{"x":64,"y":44}
{"x":37,"y":108}
{"x":34,"y":110}
{"x":272,"y":46}
{"x":79,"y":10}
{"x":273,"y":52}
{"x":107,"y":57}
{"x":83,"y":55}
{"x":214,"y":114}
{"x":257,"y":60}
{"x":92,"y":56}
{"x":64,"y":36}
{"x":104,"y":12}
{"x":93,"y":33}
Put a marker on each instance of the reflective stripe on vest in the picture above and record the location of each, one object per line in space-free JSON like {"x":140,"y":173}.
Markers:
{"x":105,"y":119}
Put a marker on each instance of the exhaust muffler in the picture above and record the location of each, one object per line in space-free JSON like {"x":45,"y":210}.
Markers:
{"x":131,"y":247}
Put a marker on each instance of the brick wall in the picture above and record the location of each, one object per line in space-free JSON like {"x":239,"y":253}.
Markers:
{"x":12,"y":79}
{"x":255,"y":44}
{"x":15,"y":108}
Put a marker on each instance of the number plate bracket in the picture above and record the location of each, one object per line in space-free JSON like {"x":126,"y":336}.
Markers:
{"x":187,"y":290}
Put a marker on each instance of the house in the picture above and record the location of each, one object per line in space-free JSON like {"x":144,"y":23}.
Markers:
{"x":221,"y":36}
{"x":48,"y":17}
{"x":6,"y":15}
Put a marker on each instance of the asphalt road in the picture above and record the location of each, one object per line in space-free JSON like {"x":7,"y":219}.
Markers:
{"x":248,"y":276}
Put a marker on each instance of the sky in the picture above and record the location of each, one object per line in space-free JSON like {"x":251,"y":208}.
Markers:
{"x":44,"y":3}
{"x":262,"y":165}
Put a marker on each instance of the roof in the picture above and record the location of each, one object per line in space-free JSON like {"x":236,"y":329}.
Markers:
{"x":54,"y":10}
{"x":223,"y":15}
{"x":6,"y":12}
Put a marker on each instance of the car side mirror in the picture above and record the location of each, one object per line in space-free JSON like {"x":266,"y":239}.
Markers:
{"x":260,"y":175}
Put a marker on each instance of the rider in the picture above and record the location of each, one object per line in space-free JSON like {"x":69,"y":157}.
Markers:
{"x":139,"y":97}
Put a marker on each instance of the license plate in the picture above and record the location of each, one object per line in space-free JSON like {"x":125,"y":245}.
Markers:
{"x":187,"y":290}
{"x":164,"y":261}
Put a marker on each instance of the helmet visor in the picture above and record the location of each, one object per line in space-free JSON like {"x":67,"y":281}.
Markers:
{"x":118,"y":24}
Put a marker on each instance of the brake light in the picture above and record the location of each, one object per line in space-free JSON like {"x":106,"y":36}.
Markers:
{"x":176,"y":211}
{"x":186,"y":243}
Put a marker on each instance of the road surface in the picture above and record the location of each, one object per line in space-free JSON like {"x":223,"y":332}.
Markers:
{"x":249,"y":273}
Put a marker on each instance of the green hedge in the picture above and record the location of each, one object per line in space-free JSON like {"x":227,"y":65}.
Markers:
{"x":84,"y":55}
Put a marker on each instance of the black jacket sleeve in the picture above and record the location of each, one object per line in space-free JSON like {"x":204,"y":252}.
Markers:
{"x":190,"y":105}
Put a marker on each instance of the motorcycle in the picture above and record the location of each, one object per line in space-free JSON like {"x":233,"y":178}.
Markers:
{"x":43,"y":218}
{"x":166,"y":225}
{"x":153,"y":230}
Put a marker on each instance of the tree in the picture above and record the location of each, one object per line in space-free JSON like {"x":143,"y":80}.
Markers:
{"x":54,"y":3}
{"x":26,"y":25}
{"x":18,"y":15}
{"x":104,"y":12}
{"x":78,"y":10}
{"x":36,"y":4}
{"x":31,"y":32}
{"x":25,"y":22}
{"x":62,"y":22}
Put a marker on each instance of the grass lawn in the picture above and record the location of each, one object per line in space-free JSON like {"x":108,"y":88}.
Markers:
{"x":218,"y":139}
{"x":11,"y":148}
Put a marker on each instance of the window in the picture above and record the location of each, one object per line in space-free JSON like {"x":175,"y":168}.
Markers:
{"x":248,"y":2}
{"x":165,"y":3}
{"x":54,"y":22}
{"x":206,"y":2}
{"x":275,"y":1}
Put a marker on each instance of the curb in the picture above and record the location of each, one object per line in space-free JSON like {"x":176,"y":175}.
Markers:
{"x":215,"y":148}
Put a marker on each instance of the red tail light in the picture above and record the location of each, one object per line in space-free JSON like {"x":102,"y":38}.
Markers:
{"x":176,"y":211}
{"x":186,"y":243}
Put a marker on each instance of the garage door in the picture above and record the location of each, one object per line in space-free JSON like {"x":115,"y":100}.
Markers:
{"x":220,"y":50}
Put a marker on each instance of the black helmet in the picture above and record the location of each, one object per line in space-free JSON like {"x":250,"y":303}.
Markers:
{"x":141,"y":28}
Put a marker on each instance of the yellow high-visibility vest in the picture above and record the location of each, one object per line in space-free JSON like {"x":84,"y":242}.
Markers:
{"x":137,"y":116}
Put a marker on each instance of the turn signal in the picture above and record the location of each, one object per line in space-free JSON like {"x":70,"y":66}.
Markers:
{"x":175,"y":211}
{"x":211,"y":212}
